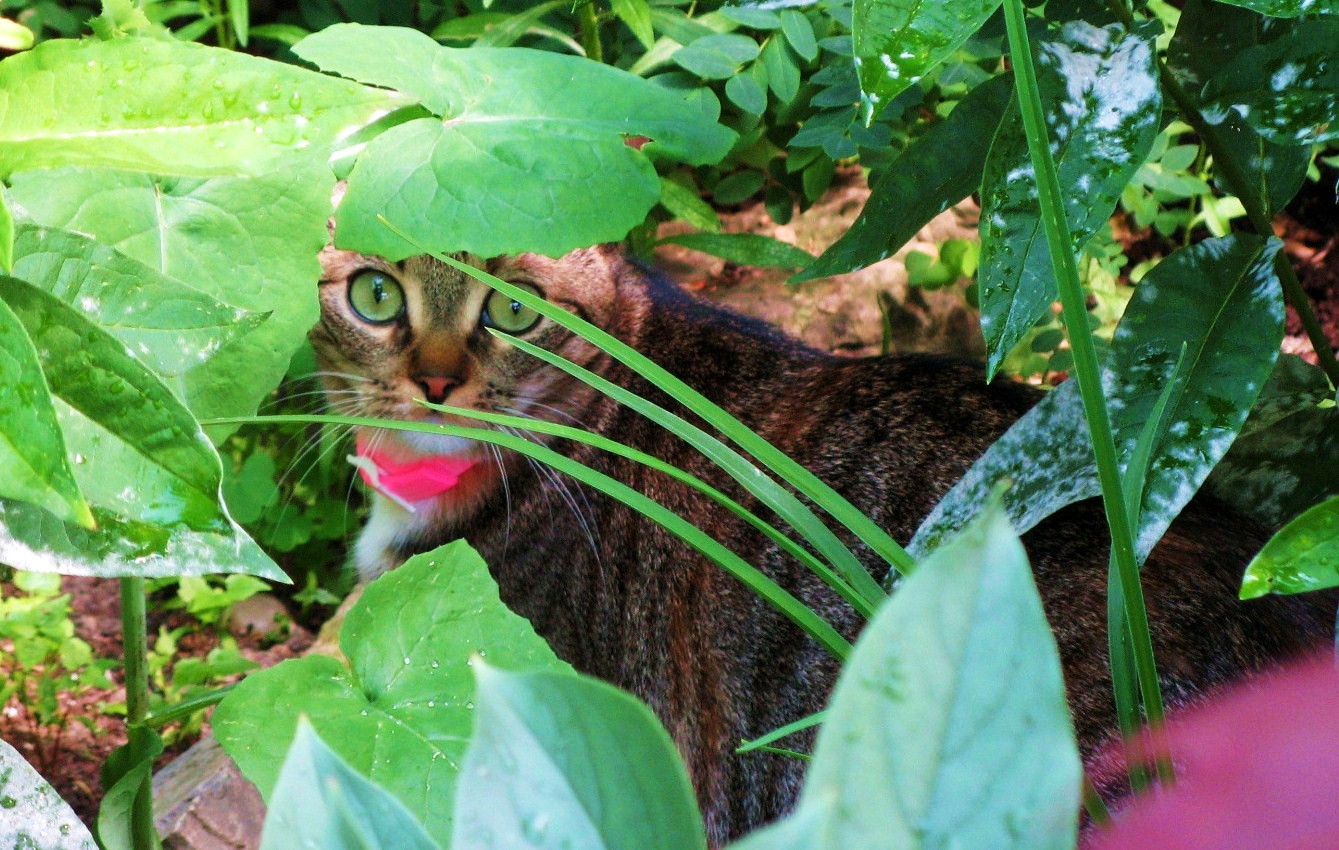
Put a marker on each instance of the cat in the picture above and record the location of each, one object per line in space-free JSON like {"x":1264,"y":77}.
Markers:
{"x":621,"y":599}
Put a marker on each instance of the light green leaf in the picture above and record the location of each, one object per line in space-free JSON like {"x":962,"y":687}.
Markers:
{"x":800,"y":33}
{"x":169,"y":107}
{"x":123,"y":775}
{"x":35,"y":816}
{"x":1303,"y":556}
{"x":750,"y":249}
{"x":637,"y":15}
{"x":34,"y":466}
{"x":6,"y":235}
{"x":14,"y":36}
{"x":783,"y":75}
{"x":402,"y":711}
{"x":752,"y":17}
{"x":250,"y":243}
{"x":948,"y":726}
{"x":938,"y":170}
{"x":319,"y":801}
{"x":1103,"y":105}
{"x":897,"y":42}
{"x":563,"y":761}
{"x":509,"y":165}
{"x":688,"y":205}
{"x":717,"y":57}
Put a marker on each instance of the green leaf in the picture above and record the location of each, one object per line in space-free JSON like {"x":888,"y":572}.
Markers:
{"x":749,"y":249}
{"x":948,"y":726}
{"x":783,"y":75}
{"x":1303,"y":556}
{"x":565,"y":761}
{"x":169,"y":107}
{"x":800,"y":33}
{"x":1289,"y":8}
{"x":250,"y":243}
{"x":1286,"y":90}
{"x":1102,"y":106}
{"x":36,"y":818}
{"x":320,"y":801}
{"x":512,"y":28}
{"x":897,"y":42}
{"x":32,"y":450}
{"x":747,"y":93}
{"x":401,"y":712}
{"x":123,"y":775}
{"x":718,"y":56}
{"x":637,"y":15}
{"x":510,"y":165}
{"x":14,"y":36}
{"x":938,"y":170}
{"x":6,"y":235}
{"x":686,"y":204}
{"x":751,"y":17}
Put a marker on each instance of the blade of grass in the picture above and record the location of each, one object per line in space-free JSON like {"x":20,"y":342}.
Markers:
{"x":761,"y":743}
{"x":780,"y":598}
{"x":567,"y":432}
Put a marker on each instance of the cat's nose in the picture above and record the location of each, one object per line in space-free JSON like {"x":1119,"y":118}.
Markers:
{"x":435,"y":387}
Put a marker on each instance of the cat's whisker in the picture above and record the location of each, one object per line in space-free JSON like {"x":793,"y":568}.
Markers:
{"x":506,"y":496}
{"x":534,"y":403}
{"x":559,"y":484}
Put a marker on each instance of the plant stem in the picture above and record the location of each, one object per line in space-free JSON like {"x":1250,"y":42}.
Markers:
{"x":590,"y":31}
{"x":135,"y":648}
{"x":1086,"y":370}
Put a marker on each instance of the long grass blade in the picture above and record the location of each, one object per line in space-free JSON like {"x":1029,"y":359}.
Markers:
{"x":762,"y":742}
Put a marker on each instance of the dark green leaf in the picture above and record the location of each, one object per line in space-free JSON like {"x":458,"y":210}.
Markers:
{"x":563,"y":761}
{"x":800,"y":33}
{"x":738,"y":187}
{"x":1289,"y":8}
{"x":718,"y":56}
{"x":1303,"y":556}
{"x":319,"y":801}
{"x":686,"y":204}
{"x":123,"y":776}
{"x":938,"y":170}
{"x":745,"y":92}
{"x":783,"y":76}
{"x":35,"y":818}
{"x":749,"y":249}
{"x":1102,"y":101}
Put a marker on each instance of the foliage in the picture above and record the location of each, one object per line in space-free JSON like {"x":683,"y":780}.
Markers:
{"x":35,"y":815}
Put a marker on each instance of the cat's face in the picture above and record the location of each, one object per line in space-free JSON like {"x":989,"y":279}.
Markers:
{"x":394,"y":334}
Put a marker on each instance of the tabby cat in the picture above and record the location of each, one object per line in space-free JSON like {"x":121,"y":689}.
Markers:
{"x":621,"y":599}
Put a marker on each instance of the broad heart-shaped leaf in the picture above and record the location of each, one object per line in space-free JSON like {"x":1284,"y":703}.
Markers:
{"x":1286,"y":90}
{"x":898,"y":41}
{"x":169,"y":106}
{"x":33,"y":463}
{"x":562,"y":761}
{"x":1206,"y":33}
{"x":35,"y":817}
{"x":170,"y":327}
{"x":403,"y":713}
{"x":1223,"y":299}
{"x":251,"y":243}
{"x":1303,"y":556}
{"x":528,"y":153}
{"x":1289,"y":8}
{"x":319,"y":801}
{"x":1102,"y":103}
{"x":938,"y":170}
{"x":948,"y":726}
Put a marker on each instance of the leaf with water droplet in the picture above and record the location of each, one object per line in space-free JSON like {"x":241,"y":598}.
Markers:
{"x":376,"y":715}
{"x":35,"y":817}
{"x":1303,"y":556}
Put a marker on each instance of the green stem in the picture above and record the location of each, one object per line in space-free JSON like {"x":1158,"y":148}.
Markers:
{"x":1086,"y":369}
{"x":135,"y":648}
{"x":590,"y":31}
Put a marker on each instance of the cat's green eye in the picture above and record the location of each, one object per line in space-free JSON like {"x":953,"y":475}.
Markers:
{"x":506,"y":314}
{"x":376,"y":297}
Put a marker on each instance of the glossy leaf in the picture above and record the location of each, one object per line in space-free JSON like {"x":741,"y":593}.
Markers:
{"x":938,"y":170}
{"x":123,"y":775}
{"x":1206,"y":33}
{"x":750,"y":249}
{"x":319,"y":801}
{"x":1289,"y":8}
{"x":897,"y":42}
{"x":948,"y":726}
{"x":401,"y":711}
{"x":168,"y":106}
{"x":1303,"y":556}
{"x":1102,"y":102}
{"x":1287,"y":90}
{"x":508,"y":165}
{"x":250,"y":243}
{"x":563,"y":761}
{"x":33,"y":460}
{"x":35,"y":817}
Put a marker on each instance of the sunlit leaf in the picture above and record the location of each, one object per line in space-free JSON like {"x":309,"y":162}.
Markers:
{"x":1303,"y":556}
{"x":35,"y":817}
{"x":1289,"y":8}
{"x":750,"y":249}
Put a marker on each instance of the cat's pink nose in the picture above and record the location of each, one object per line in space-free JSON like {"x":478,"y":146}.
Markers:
{"x":435,"y":387}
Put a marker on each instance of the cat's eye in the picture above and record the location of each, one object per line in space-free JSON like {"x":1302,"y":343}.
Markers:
{"x":376,"y":297}
{"x":507,"y":314}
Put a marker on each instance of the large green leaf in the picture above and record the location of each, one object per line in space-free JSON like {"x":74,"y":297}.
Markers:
{"x":35,"y":817}
{"x":1206,"y":33}
{"x":250,"y":243}
{"x":402,"y":711}
{"x":948,"y":726}
{"x":1102,"y":101}
{"x":1289,"y":8}
{"x":1303,"y":556}
{"x":898,"y":41}
{"x":938,"y":170}
{"x":528,"y":151}
{"x":562,"y":761}
{"x":168,"y":106}
{"x":1286,"y":90}
{"x":33,"y":463}
{"x":319,"y":801}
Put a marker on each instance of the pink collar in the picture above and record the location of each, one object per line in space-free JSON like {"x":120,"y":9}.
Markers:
{"x":408,"y":481}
